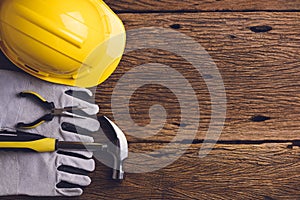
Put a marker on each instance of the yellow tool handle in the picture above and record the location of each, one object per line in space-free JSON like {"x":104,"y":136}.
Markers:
{"x":28,"y":92}
{"x":38,"y":98}
{"x":41,"y":145}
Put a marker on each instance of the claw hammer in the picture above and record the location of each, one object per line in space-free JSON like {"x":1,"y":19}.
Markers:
{"x":118,"y":146}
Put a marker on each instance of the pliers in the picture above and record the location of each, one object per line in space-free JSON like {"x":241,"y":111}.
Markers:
{"x":66,"y":111}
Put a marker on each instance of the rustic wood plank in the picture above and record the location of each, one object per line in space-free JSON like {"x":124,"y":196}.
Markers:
{"x":260,"y":72}
{"x":203,"y":5}
{"x":229,"y":172}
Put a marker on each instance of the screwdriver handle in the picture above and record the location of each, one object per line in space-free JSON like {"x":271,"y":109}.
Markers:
{"x":20,"y":141}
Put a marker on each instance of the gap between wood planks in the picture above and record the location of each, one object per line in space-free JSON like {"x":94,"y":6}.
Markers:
{"x":233,"y":142}
{"x":290,"y":143}
{"x":152,"y":6}
{"x":197,"y":11}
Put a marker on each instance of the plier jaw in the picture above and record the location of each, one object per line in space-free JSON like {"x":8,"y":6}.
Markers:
{"x":67,"y":111}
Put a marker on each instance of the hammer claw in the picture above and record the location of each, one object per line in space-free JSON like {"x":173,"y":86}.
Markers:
{"x":118,"y":147}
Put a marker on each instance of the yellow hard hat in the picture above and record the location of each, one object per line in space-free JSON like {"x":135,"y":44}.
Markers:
{"x":78,"y":43}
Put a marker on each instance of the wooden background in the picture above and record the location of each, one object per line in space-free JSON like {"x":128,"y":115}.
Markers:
{"x":256,"y":47}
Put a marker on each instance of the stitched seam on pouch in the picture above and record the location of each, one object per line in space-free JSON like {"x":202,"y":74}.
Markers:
{"x":18,"y":171}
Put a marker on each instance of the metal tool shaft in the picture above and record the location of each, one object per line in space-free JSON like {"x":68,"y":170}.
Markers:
{"x":60,"y":145}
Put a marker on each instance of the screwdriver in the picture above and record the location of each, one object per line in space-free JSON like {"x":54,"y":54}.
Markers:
{"x":23,"y":141}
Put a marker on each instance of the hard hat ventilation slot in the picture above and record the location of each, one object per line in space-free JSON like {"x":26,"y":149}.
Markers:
{"x":32,"y":69}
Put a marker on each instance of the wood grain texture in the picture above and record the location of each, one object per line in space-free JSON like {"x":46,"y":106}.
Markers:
{"x":261,"y":76}
{"x":229,"y":172}
{"x":202,"y":5}
{"x":260,"y":73}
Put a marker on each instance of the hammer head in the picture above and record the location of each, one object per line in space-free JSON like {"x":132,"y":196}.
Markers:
{"x":117,"y":147}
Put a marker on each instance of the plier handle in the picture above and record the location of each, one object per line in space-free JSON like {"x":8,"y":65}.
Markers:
{"x":66,"y":111}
